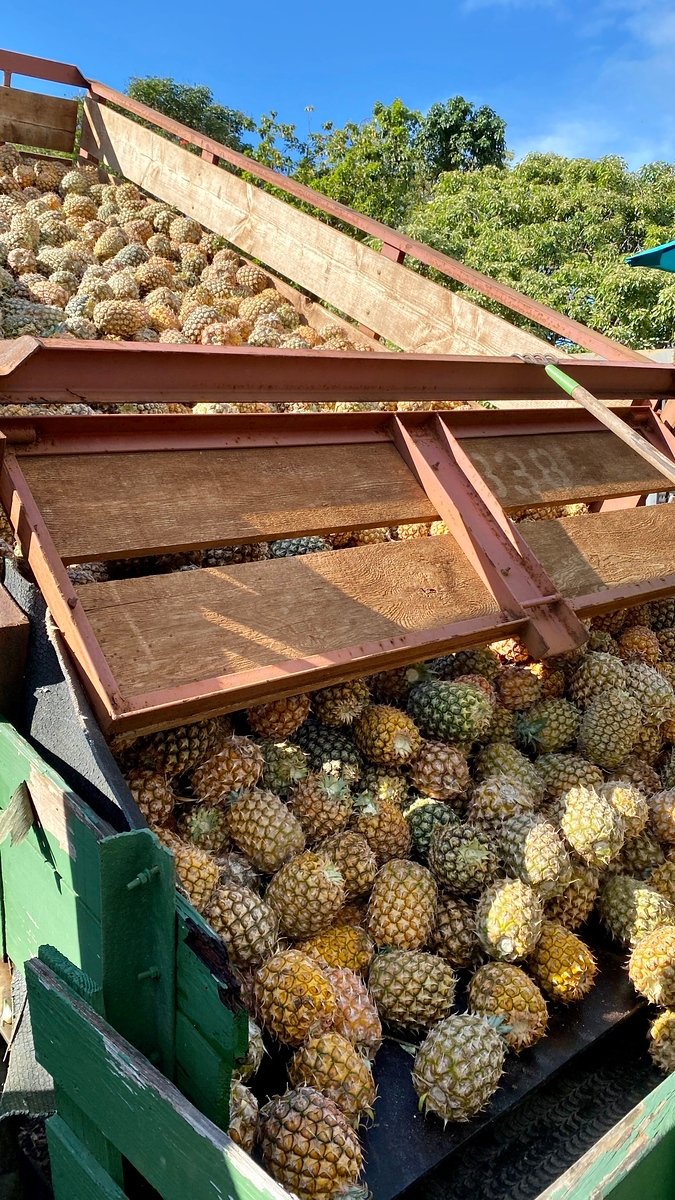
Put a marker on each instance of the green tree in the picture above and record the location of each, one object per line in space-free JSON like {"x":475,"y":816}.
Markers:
{"x":558,"y":229}
{"x":194,"y":106}
{"x":457,"y":136}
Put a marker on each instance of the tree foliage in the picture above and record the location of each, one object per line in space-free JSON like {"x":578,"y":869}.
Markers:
{"x":194,"y":106}
{"x":558,"y":229}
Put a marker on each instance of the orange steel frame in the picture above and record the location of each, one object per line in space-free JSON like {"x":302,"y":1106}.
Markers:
{"x":429,"y":443}
{"x":394,"y":245}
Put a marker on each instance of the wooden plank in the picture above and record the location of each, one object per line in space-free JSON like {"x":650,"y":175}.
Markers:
{"x":536,"y":469}
{"x":50,"y":879}
{"x":118,"y":504}
{"x":74,"y":1171}
{"x":14,"y":629}
{"x":34,"y":119}
{"x":595,"y":551}
{"x":173,"y":1146}
{"x":614,"y":1167}
{"x":410,"y":311}
{"x":167,"y":630}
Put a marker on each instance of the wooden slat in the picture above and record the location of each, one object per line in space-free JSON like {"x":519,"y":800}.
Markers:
{"x":107,"y":506}
{"x":172,"y":629}
{"x":33,"y":119}
{"x":412,"y":312}
{"x":14,"y":629}
{"x":533,"y":469}
{"x":173,"y":1146}
{"x":605,"y":550}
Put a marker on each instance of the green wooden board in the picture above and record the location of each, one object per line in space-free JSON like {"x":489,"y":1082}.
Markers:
{"x":75,"y":1172}
{"x":172,"y":1145}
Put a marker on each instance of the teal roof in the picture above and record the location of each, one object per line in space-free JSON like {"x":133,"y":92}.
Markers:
{"x":661,"y":257}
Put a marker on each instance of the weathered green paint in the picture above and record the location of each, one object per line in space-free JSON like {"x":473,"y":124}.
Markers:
{"x":75,"y":1172}
{"x":173,"y":1146}
{"x":618,"y":1166}
{"x":211,"y":1022}
{"x":138,"y":942}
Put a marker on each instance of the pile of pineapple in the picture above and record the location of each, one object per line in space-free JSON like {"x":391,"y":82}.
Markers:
{"x":364,"y":850}
{"x":87,"y":259}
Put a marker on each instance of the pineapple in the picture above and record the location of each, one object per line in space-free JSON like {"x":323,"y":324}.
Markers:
{"x":234,"y":768}
{"x":243,"y":1126}
{"x":631,"y":908}
{"x":629,"y":802}
{"x":652,"y":691}
{"x":639,"y":642}
{"x":461,"y":858}
{"x":500,"y":758}
{"x":247,"y":925}
{"x":480,"y":682}
{"x":496,"y":800}
{"x":386,"y":735}
{"x":610,"y":727}
{"x":281,"y":718}
{"x":306,"y":893}
{"x":196,"y":870}
{"x":249,"y":1065}
{"x":153,"y":795}
{"x":235,"y":868}
{"x":293,"y":997}
{"x":402,"y":905}
{"x":662,"y":878}
{"x":562,"y":964}
{"x":458,"y":1067}
{"x":412,"y":989}
{"x":503,"y":726}
{"x":662,"y":1041}
{"x":592,"y":826}
{"x":573,"y":908}
{"x":384,"y":827}
{"x":454,"y":934}
{"x":651,"y":966}
{"x":640,"y":856}
{"x":341,"y":946}
{"x":662,"y":809}
{"x":356,"y":1016}
{"x":354,"y":859}
{"x":328,"y":749}
{"x":612,"y":622}
{"x":597,"y":673}
{"x":394,"y":687}
{"x":174,"y":751}
{"x":322,"y":805}
{"x":205,"y":826}
{"x":508,"y":920}
{"x":518,"y":688}
{"x":549,"y":726}
{"x":293,"y":547}
{"x":662,"y":613}
{"x":561,"y":772}
{"x":284,"y":766}
{"x":480,"y":661}
{"x":638,"y":772}
{"x":440,"y":771}
{"x":342,"y":704}
{"x":385,"y":782}
{"x":264,"y":830}
{"x":329,"y":1062}
{"x":308,"y":1145}
{"x":504,"y":991}
{"x":667,"y":644}
{"x":423,"y":815}
{"x":533,"y":851}
{"x":450,"y":712}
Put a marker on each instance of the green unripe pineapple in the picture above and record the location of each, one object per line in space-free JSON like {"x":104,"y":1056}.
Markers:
{"x":451,"y":712}
{"x":458,"y":1067}
{"x":631,"y":909}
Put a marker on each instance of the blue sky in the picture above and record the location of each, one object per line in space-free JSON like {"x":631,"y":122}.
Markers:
{"x":577,"y":78}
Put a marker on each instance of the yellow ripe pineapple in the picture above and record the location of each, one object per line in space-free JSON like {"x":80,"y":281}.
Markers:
{"x":370,"y":537}
{"x":341,"y":704}
{"x":651,"y":967}
{"x":293,"y":996}
{"x":308,"y":1145}
{"x":153,"y":795}
{"x":440,"y":770}
{"x":573,"y":908}
{"x":322,"y":805}
{"x":236,"y":766}
{"x":329,"y":1062}
{"x":508,"y":920}
{"x":458,"y":1067}
{"x":243,"y":1126}
{"x":341,"y":946}
{"x":356,"y":1016}
{"x":196,"y":869}
{"x":518,"y":688}
{"x":306,"y":893}
{"x":639,"y":642}
{"x":412,"y":989}
{"x":562,"y":964}
{"x":264,"y":829}
{"x":504,"y":991}
{"x":247,"y":925}
{"x":386,"y":735}
{"x":280,"y":718}
{"x":122,"y":318}
{"x":354,"y":859}
{"x":402,"y":905}
{"x":174,"y":751}
{"x":419,"y":529}
{"x":384,"y":827}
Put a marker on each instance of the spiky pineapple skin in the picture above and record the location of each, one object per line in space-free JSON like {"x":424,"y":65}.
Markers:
{"x":461,"y":858}
{"x":386,"y":735}
{"x":264,"y":829}
{"x":341,"y":945}
{"x":152,"y":793}
{"x":451,"y":712}
{"x":280,"y":718}
{"x":322,"y":805}
{"x":329,"y":1062}
{"x":354,"y":859}
{"x":508,"y":920}
{"x":423,"y":815}
{"x":662,"y":1041}
{"x":308,"y":1145}
{"x":610,"y":727}
{"x":233,"y":768}
{"x":533,"y":851}
{"x":454,"y":934}
{"x":402,"y":905}
{"x":306,"y":893}
{"x":631,"y":909}
{"x":592,"y":826}
{"x":412,"y":989}
{"x":247,"y":925}
{"x":504,"y":991}
{"x":243,"y":1126}
{"x":458,"y":1067}
{"x":293,"y":997}
{"x":562,"y":964}
{"x":440,"y":771}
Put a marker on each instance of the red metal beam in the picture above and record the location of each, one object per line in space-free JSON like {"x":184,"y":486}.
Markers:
{"x":100,"y":372}
{"x":41,"y":68}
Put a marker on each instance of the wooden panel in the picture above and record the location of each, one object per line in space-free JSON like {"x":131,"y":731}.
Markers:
{"x":14,"y":628}
{"x":33,"y":119}
{"x":169,"y":1141}
{"x":605,"y":550}
{"x":104,"y":506}
{"x":544,"y":469}
{"x":411,"y":312}
{"x":171,"y":629}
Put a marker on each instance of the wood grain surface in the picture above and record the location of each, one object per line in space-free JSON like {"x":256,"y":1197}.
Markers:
{"x":33,"y":119}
